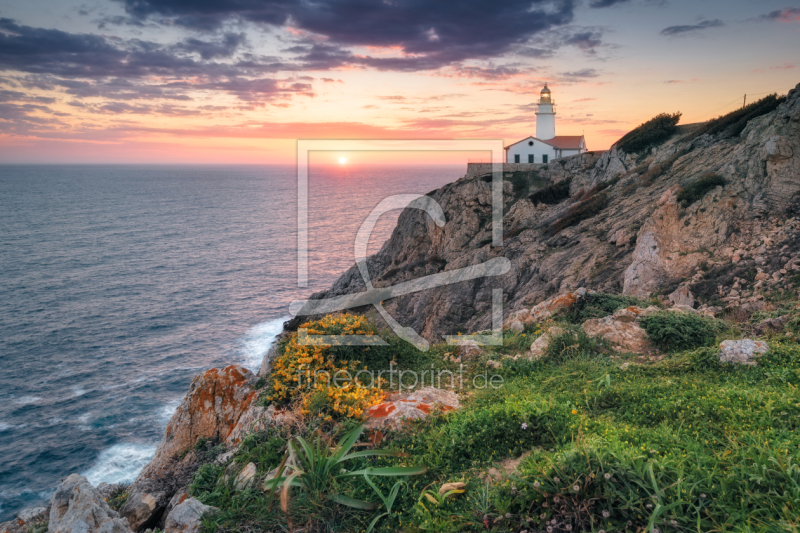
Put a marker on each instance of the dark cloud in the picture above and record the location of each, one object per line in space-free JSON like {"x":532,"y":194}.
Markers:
{"x":224,"y":47}
{"x":546,"y":44}
{"x":586,"y":41}
{"x":85,"y":66}
{"x":435,"y":34}
{"x":679,"y":30}
{"x":606,"y":3}
{"x":790,"y":14}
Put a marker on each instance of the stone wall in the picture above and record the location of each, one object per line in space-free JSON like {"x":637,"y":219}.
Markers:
{"x":479,"y":169}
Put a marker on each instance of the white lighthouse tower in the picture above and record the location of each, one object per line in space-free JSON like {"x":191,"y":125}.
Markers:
{"x":545,"y":116}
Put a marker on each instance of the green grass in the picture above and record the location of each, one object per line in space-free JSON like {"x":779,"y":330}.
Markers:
{"x":684,"y":444}
{"x":651,"y":133}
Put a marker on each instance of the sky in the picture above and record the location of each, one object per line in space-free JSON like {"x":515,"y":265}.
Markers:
{"x":240,"y":81}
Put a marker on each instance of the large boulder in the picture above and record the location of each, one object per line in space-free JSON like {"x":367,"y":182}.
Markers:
{"x":187,"y":516}
{"x":742,"y":352}
{"x":417,"y":405}
{"x":622,"y":330}
{"x":212,"y":408}
{"x":772,"y":324}
{"x":77,"y":507}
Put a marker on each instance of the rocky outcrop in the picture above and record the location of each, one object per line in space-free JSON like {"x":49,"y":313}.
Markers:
{"x":211,"y":409}
{"x":186,"y":517}
{"x":772,"y":324}
{"x":622,"y":330}
{"x":416,"y":405}
{"x":77,"y":507}
{"x":744,"y":352}
{"x":644,"y":240}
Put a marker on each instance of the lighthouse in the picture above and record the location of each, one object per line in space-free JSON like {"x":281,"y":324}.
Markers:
{"x":545,"y":116}
{"x":546,"y":146}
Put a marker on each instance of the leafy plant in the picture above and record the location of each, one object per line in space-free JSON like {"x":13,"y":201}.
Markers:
{"x":649,"y":134}
{"x":680,"y":331}
{"x":316,"y":469}
{"x":695,"y":190}
{"x":599,"y":305}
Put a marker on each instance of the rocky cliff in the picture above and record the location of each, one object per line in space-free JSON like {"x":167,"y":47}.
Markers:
{"x":613,"y":222}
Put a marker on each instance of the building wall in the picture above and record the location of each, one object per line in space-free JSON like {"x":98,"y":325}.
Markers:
{"x":523,"y":149}
{"x":545,"y":122}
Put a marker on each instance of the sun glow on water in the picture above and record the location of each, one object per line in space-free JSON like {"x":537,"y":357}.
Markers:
{"x":342,"y":160}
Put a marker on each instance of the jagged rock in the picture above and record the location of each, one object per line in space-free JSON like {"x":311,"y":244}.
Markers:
{"x":742,"y":351}
{"x":772,"y":324}
{"x":468,"y":349}
{"x":682,"y":296}
{"x":545,"y":309}
{"x":178,"y":498}
{"x":34,"y":514}
{"x":246,"y":477}
{"x":144,"y":506}
{"x":186,"y":517}
{"x":494,"y":364}
{"x":540,"y":344}
{"x":77,"y":507}
{"x":25,"y":520}
{"x":622,"y":330}
{"x":411,"y":406}
{"x":211,"y":409}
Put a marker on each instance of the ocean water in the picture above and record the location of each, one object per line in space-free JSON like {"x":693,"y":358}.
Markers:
{"x":119,"y":283}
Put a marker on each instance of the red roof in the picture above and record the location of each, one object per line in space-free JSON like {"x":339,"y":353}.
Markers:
{"x":566,"y":142}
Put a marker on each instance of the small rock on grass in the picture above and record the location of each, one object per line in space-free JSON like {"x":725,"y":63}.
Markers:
{"x":447,"y":487}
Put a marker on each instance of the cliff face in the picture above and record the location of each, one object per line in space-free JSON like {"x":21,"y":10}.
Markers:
{"x":623,"y":227}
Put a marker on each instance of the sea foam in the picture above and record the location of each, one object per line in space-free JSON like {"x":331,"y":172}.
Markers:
{"x":120,"y":463}
{"x":258,"y":340}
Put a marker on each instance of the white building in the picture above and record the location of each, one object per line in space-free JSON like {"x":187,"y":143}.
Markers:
{"x":546,"y":146}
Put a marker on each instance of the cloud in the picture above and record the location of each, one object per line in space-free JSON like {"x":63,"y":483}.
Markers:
{"x":546,"y":44}
{"x":585,"y":73}
{"x":789,"y":14}
{"x":680,"y":81}
{"x":606,"y":3}
{"x":224,"y":47}
{"x":428,"y":35}
{"x":86,"y":66}
{"x":679,"y":30}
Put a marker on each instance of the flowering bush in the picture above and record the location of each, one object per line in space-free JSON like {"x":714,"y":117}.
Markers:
{"x":306,"y":370}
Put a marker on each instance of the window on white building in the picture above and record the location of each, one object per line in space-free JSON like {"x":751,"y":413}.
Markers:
{"x":516,"y":158}
{"x":530,"y":158}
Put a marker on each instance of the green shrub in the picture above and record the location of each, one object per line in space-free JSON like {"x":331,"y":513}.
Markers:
{"x":653,"y":132}
{"x":734,"y":122}
{"x":579,"y":212}
{"x":695,"y":190}
{"x":552,"y":194}
{"x":572,"y":344}
{"x":599,"y":305}
{"x":672,"y":330}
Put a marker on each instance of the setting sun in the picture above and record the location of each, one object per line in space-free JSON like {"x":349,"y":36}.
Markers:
{"x":342,"y":160}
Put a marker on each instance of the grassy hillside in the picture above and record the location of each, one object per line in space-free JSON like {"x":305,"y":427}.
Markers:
{"x":585,"y":439}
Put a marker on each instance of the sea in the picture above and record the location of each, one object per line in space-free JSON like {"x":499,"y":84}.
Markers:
{"x":118,"y":284}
